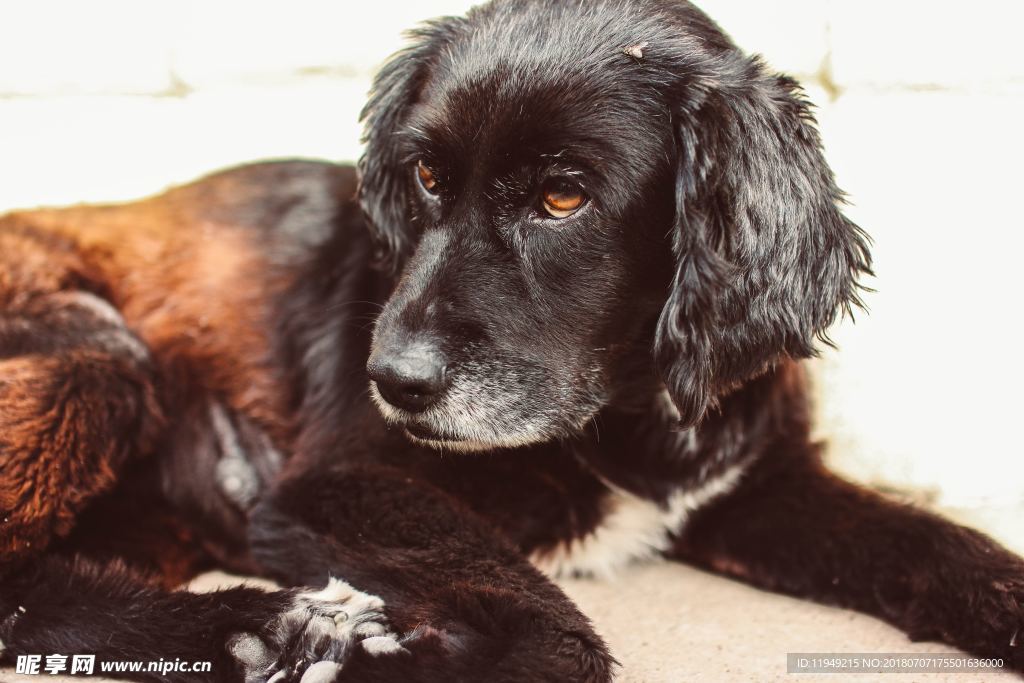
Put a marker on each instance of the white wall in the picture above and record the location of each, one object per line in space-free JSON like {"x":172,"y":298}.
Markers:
{"x":920,"y":107}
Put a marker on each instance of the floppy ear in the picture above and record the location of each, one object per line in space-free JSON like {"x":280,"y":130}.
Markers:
{"x":765,"y":259}
{"x":383,"y":174}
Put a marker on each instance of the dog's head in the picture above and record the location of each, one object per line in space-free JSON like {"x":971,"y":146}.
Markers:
{"x":578,"y":196}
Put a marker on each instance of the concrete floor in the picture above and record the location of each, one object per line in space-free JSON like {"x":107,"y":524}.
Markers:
{"x":668,"y":623}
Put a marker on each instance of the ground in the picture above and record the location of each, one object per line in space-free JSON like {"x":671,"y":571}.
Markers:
{"x":669,"y":623}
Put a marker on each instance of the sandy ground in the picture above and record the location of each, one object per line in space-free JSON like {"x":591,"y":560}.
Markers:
{"x":669,"y":623}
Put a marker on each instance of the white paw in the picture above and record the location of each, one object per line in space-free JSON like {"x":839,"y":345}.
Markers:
{"x":382,"y":645}
{"x":311,"y":641}
{"x":352,"y":614}
{"x":339,"y":594}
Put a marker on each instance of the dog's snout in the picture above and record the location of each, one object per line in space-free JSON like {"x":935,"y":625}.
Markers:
{"x":412,"y":378}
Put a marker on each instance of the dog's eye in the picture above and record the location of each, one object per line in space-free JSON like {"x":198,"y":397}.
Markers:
{"x":426,"y":177}
{"x":562,"y":198}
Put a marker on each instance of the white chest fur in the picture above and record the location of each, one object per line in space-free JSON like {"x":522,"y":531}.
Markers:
{"x":633,"y":529}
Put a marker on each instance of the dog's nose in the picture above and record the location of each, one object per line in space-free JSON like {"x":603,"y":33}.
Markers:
{"x":412,"y":379}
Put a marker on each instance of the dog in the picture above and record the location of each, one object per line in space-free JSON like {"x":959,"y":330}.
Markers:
{"x":553,"y":325}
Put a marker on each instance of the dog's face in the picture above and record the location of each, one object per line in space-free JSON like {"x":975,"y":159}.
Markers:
{"x":580,"y":197}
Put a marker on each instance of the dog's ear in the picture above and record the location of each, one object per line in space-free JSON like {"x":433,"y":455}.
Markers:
{"x":384,"y":176}
{"x":765,"y":259}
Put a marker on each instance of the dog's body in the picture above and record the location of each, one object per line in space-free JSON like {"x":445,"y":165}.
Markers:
{"x":183,"y":380}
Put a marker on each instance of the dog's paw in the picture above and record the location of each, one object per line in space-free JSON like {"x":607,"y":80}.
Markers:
{"x":1000,"y":610}
{"x":981,"y":612}
{"x":311,"y":641}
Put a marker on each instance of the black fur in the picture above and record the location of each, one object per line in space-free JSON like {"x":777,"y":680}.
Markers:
{"x":764,"y":258}
{"x":709,"y":257}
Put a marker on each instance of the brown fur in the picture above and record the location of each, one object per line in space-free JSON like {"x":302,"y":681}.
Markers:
{"x":73,"y":417}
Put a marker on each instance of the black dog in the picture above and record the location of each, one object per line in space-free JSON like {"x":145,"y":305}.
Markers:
{"x":604,"y":238}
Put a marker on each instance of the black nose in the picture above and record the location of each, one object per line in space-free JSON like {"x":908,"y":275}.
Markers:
{"x":412,"y":379}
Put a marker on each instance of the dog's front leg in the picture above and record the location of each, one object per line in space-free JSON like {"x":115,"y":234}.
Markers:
{"x":469,"y":606}
{"x":795,"y":527}
{"x":136,"y":630}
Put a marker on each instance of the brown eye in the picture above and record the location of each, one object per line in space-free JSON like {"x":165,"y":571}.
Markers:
{"x":426,"y":177}
{"x":562,"y":199}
